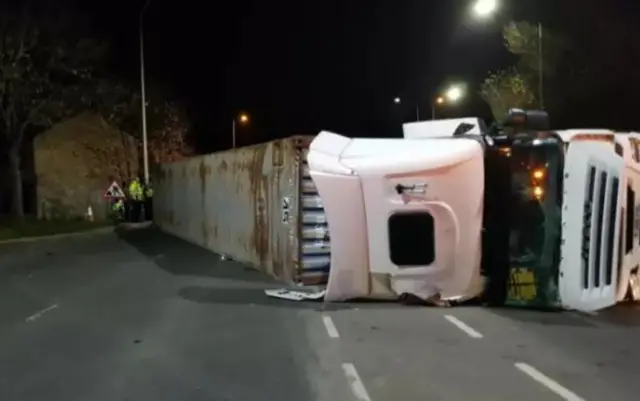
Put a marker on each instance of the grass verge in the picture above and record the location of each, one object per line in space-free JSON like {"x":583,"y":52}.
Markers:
{"x":31,"y":227}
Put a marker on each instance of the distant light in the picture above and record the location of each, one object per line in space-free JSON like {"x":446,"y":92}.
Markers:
{"x":244,"y":118}
{"x":439,"y":100}
{"x":538,"y":174}
{"x":505,"y":151}
{"x":538,"y":192}
{"x":396,"y":100}
{"x":485,"y":8}
{"x":454,"y":93}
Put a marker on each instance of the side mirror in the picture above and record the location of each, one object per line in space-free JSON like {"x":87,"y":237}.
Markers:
{"x":527,"y":120}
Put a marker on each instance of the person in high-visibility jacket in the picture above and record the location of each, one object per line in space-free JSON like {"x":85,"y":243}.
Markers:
{"x":118,"y":210}
{"x":126,"y":200}
{"x":136,"y":193}
{"x":148,"y":201}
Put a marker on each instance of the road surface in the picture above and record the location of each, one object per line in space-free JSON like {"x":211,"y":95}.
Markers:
{"x":146,"y":317}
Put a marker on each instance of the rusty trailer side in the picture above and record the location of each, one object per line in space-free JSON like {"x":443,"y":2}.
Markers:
{"x":244,"y":202}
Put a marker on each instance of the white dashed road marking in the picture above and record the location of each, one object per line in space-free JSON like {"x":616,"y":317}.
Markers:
{"x":549,"y":383}
{"x":359,"y":391}
{"x":463,"y":326}
{"x":40,"y":313}
{"x":331,"y":328}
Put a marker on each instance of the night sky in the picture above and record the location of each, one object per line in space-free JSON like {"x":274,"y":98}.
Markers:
{"x":299,"y":67}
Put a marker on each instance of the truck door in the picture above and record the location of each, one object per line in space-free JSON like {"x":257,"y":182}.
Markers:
{"x":591,"y":221}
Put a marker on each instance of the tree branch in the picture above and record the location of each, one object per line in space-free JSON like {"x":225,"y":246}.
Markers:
{"x":22,"y":35}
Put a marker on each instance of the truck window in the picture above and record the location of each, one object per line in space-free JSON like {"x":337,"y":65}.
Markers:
{"x":534,"y":174}
{"x":412,"y":239}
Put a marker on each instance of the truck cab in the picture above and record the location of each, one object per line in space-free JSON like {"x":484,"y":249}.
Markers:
{"x":518,"y":213}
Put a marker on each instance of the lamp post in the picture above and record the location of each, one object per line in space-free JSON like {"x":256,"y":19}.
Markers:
{"x":453,"y":94}
{"x":540,"y":67}
{"x":143,"y":96}
{"x":243,"y":118}
{"x":397,"y":100}
{"x":484,"y":9}
{"x":439,"y":101}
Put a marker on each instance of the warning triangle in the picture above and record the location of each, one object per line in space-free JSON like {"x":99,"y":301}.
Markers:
{"x":114,"y":191}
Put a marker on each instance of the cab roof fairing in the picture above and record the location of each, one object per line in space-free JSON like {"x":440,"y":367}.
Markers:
{"x":335,"y":154}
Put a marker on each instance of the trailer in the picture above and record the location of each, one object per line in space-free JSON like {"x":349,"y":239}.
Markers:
{"x":256,"y":205}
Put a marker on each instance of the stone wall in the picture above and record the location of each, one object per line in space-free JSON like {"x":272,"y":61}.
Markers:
{"x":75,"y":162}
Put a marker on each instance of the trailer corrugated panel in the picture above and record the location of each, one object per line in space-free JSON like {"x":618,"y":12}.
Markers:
{"x":242,"y":202}
{"x":315,"y":241}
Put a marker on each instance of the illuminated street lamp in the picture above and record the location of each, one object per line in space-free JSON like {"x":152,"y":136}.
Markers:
{"x":484,"y":9}
{"x":143,"y":92}
{"x":397,"y":100}
{"x":452,"y":95}
{"x":243,"y":119}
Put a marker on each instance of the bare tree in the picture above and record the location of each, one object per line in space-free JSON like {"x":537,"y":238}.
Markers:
{"x":44,"y":69}
{"x":523,"y":40}
{"x":168,"y":126}
{"x":507,"y":89}
{"x":169,"y":133}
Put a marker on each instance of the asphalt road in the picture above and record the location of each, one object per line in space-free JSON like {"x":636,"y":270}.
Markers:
{"x":146,"y":317}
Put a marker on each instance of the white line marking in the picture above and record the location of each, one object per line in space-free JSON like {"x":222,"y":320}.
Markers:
{"x":354,"y":381}
{"x":42,"y":312}
{"x":549,"y":383}
{"x":331,"y":328}
{"x":463,"y":326}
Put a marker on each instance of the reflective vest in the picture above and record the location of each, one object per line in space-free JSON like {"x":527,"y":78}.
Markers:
{"x":135,"y":190}
{"x":118,"y":205}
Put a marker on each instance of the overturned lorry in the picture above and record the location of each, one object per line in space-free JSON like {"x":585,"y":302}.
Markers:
{"x":517,"y":214}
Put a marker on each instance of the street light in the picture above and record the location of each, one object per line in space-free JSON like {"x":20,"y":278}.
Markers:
{"x":483,"y":9}
{"x":439,"y":101}
{"x":397,"y":100}
{"x":452,"y":95}
{"x":145,"y":147}
{"x":243,"y":118}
